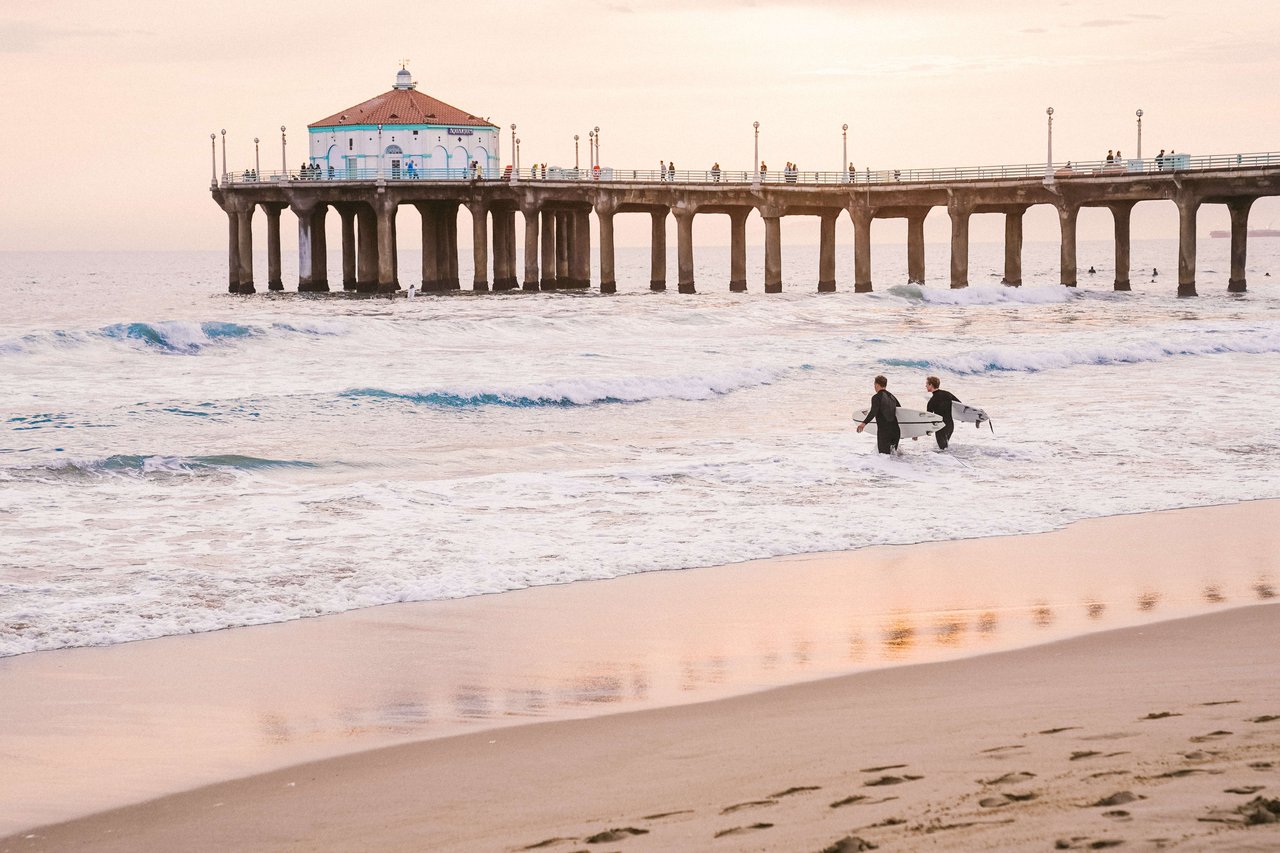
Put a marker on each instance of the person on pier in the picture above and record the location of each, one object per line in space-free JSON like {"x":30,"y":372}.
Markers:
{"x":662,"y":170}
{"x":884,"y":411}
{"x":715,"y":172}
{"x":671,"y":171}
{"x":940,"y":404}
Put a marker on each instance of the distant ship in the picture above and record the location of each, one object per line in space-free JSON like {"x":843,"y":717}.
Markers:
{"x":1253,"y":232}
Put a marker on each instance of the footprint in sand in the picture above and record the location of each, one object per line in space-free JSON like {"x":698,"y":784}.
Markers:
{"x":742,"y":830}
{"x":849,"y":844}
{"x":616,"y":834}
{"x":1009,"y":779}
{"x":1160,"y":715}
{"x":800,"y":789}
{"x":1119,"y":798}
{"x":1058,"y":730}
{"x":661,"y":815}
{"x":860,"y":799}
{"x":550,"y":842}
{"x":754,"y":804}
{"x":1265,"y":718}
{"x":1221,"y":702}
{"x":1081,"y":843}
{"x":882,"y":769}
{"x":1210,"y":736}
{"x":1004,"y":800}
{"x":1246,"y":789}
{"x":1117,"y":814}
{"x":997,"y":749}
{"x":1187,"y":771}
{"x":890,"y":780}
{"x":1088,"y":753}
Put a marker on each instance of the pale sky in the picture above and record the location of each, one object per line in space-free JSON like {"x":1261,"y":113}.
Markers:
{"x":111,"y":102}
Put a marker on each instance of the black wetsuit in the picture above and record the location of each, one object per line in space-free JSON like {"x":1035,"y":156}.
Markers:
{"x":884,"y":411}
{"x":940,"y":404}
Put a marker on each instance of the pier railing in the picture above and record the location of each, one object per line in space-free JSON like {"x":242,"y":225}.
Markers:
{"x":1059,"y":171}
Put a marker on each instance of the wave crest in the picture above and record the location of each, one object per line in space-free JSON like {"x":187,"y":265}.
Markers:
{"x":1035,"y":360}
{"x":569,"y":393}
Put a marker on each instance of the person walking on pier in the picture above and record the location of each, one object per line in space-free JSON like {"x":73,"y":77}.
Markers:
{"x":884,"y":411}
{"x":662,"y":170}
{"x":1111,"y":157}
{"x":715,"y":172}
{"x":940,"y":404}
{"x":671,"y":171}
{"x":764,"y":171}
{"x":853,"y":173}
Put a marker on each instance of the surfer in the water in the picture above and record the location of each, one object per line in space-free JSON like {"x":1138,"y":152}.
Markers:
{"x":884,"y":410}
{"x":940,"y":404}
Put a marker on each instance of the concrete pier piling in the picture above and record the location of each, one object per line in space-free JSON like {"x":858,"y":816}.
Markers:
{"x":1239,"y":209}
{"x":557,"y":219}
{"x":1013,"y":246}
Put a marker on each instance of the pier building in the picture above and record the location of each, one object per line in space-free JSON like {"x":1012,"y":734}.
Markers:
{"x":403,"y":132}
{"x":558,"y":209}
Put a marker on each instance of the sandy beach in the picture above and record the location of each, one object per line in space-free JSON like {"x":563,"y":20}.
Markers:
{"x":1074,"y":689}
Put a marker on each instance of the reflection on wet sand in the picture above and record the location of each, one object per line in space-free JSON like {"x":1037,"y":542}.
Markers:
{"x":530,"y":687}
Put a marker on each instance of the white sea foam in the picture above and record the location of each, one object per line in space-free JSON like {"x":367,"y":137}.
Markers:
{"x":209,"y":461}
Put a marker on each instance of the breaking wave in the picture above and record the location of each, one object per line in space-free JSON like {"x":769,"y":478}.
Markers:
{"x":1027,"y":360}
{"x":168,"y":337}
{"x":569,"y":393}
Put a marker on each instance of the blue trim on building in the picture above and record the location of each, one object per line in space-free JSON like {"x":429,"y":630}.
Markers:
{"x":374,"y":127}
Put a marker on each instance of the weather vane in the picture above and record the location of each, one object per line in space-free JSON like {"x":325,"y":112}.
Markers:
{"x":403,"y":63}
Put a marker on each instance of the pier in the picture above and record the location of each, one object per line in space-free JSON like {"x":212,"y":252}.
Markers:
{"x":558,"y":206}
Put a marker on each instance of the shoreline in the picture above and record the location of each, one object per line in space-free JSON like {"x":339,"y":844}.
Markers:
{"x":250,"y":700}
{"x":928,"y":756}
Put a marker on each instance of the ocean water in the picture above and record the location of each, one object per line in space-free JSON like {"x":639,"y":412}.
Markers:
{"x":176,"y":459}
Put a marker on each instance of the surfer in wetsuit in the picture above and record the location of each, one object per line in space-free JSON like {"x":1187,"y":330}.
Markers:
{"x":884,"y":410}
{"x":940,"y":404}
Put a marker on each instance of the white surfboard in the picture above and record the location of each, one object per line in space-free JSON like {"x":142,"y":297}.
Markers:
{"x":913,"y":422}
{"x":971,"y":415}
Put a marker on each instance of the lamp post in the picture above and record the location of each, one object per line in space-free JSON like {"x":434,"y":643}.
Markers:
{"x":575,"y":152}
{"x":591,"y":149}
{"x":844,"y":136}
{"x":1139,"y":114}
{"x":380,"y":152}
{"x":517,"y":168}
{"x":257,"y":164}
{"x":284,"y":157}
{"x":1048,"y":165}
{"x":515,"y":162}
{"x":224,"y":152}
{"x":597,"y":145}
{"x":213,"y":159}
{"x":756,"y":158}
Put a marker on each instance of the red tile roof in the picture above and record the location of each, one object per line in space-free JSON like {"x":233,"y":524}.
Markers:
{"x":403,"y":106}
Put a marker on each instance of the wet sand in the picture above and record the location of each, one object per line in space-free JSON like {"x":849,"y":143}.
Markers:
{"x":93,"y":728}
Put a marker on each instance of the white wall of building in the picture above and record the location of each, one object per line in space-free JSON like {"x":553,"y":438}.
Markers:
{"x":428,"y":147}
